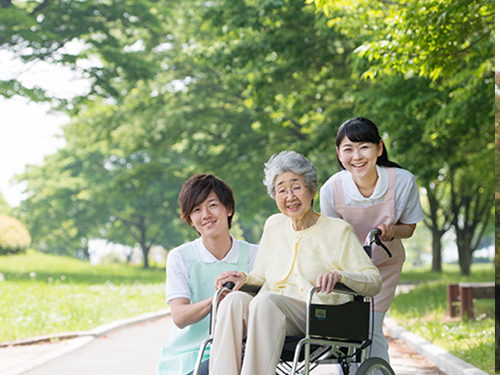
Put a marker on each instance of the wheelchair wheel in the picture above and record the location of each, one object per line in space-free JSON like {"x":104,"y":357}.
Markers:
{"x":375,"y":366}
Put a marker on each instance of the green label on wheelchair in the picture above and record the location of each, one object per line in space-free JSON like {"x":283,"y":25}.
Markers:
{"x":320,"y":314}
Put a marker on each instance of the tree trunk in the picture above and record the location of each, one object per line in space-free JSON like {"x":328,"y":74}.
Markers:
{"x":464,"y":260}
{"x":433,"y":223}
{"x":464,"y":250}
{"x":436,"y":251}
{"x":143,"y":242}
{"x":145,"y":254}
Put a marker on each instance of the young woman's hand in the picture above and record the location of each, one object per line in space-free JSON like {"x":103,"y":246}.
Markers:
{"x":388,"y":232}
{"x":238,"y":278}
{"x":327,"y":281}
{"x":400,"y":230}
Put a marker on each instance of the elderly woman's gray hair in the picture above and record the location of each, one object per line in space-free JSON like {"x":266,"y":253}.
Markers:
{"x":289,"y":161}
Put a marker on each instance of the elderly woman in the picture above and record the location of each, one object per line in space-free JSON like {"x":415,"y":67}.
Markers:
{"x":299,"y":248}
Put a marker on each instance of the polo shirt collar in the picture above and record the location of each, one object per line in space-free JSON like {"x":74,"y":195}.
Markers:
{"x":206,"y":256}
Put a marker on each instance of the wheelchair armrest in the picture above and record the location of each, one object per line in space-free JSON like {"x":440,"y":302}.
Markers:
{"x":339,"y":288}
{"x":342,"y":288}
{"x":247,"y":288}
{"x":252,"y":289}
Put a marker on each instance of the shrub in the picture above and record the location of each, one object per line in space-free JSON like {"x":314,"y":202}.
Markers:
{"x":14,"y":237}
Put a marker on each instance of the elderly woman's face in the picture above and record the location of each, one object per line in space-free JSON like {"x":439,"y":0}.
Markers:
{"x":292,"y":195}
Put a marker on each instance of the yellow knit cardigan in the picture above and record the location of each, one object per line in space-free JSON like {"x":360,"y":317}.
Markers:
{"x":288,"y":262}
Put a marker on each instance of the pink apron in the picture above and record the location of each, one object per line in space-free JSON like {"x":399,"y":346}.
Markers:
{"x":364,"y":219}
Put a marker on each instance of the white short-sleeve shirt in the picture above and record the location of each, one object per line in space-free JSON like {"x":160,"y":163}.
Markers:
{"x":177,"y":285}
{"x":407,"y":200}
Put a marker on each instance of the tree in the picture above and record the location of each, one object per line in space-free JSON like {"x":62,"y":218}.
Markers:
{"x":497,"y":216}
{"x":105,"y":42}
{"x":93,"y":188}
{"x":438,"y":219}
{"x":429,"y":38}
{"x":472,"y":208}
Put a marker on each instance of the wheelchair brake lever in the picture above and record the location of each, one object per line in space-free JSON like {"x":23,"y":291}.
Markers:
{"x":379,"y":242}
{"x":366,"y":344}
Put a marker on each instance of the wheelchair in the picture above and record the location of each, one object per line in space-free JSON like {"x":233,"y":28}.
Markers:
{"x":325,"y":340}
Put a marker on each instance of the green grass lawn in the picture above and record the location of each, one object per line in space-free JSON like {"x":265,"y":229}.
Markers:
{"x":424,"y":311}
{"x":43,"y":294}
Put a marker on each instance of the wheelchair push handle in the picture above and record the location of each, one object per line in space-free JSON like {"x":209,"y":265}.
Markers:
{"x":374,"y":238}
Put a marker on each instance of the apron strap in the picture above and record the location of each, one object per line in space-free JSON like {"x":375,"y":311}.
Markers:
{"x":338,"y":192}
{"x":243,"y":253}
{"x":190,"y":252}
{"x":389,"y":196}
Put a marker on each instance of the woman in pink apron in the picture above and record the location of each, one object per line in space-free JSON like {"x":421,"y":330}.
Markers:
{"x":373,"y":192}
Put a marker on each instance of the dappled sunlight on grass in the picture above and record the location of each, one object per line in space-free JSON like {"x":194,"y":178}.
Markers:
{"x":42,"y":294}
{"x":424,"y":311}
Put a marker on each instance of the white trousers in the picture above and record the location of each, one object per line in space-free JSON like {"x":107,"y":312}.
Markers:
{"x":265,"y":321}
{"x":379,"y":347}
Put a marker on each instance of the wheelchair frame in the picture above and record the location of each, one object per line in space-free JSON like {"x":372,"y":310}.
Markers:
{"x":344,"y":350}
{"x":337,"y":350}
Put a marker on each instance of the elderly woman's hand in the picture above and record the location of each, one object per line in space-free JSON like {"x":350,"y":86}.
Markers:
{"x":238,"y":278}
{"x":326,"y":281}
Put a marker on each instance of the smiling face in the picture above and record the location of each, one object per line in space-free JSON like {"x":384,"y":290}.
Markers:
{"x":360,"y":158}
{"x":210,"y":217}
{"x":292,"y":195}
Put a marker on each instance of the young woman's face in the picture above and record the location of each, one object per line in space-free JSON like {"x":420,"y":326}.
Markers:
{"x":359,"y":158}
{"x":210,"y":217}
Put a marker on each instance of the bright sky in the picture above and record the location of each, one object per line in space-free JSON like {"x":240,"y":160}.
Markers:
{"x":28,"y":133}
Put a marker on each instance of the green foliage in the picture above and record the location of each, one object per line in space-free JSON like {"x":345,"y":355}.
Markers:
{"x":5,"y":208}
{"x":430,"y":37}
{"x":100,"y":190}
{"x":218,"y":87}
{"x":113,"y":35}
{"x":14,"y":237}
{"x":497,"y":175}
{"x":424,"y":311}
{"x":44,"y":294}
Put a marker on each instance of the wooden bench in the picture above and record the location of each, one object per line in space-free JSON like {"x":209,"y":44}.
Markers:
{"x":463,"y":295}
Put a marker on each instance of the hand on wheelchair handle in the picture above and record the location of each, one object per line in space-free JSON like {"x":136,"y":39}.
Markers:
{"x":227,"y":278}
{"x":385,"y":232}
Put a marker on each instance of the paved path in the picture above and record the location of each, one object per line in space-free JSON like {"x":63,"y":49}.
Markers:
{"x":134,"y":350}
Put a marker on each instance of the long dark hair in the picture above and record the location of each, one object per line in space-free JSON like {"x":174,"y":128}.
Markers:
{"x":360,"y":129}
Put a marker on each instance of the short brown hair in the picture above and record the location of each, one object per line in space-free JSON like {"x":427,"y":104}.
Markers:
{"x":197,"y":189}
